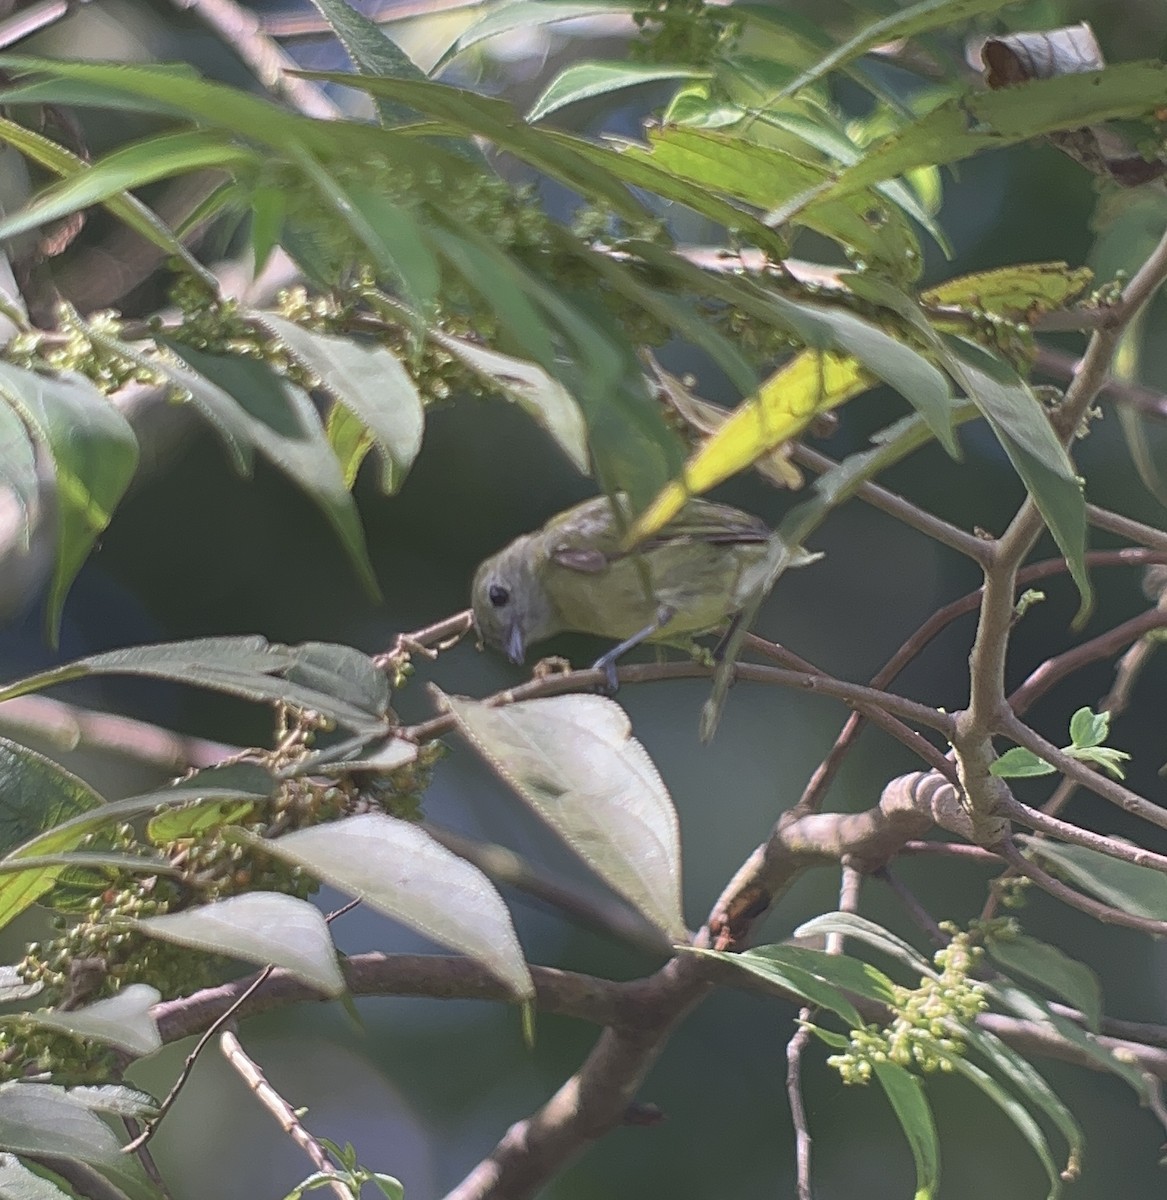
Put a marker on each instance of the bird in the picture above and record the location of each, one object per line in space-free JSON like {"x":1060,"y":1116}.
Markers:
{"x":576,"y":574}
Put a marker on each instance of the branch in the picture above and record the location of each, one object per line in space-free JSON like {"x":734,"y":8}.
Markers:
{"x":591,"y":680}
{"x":1058,"y":365}
{"x":1065,"y":831}
{"x":1041,"y":680}
{"x":1016,"y":730}
{"x":818,"y":784}
{"x":1075,"y":899}
{"x":285,"y":1115}
{"x":439,"y":977}
{"x":66,"y":727}
{"x":902,"y":510}
{"x":591,"y":1102}
{"x":987,"y":707}
{"x":241,"y":30}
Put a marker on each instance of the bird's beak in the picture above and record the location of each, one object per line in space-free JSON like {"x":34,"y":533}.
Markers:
{"x":516,"y":646}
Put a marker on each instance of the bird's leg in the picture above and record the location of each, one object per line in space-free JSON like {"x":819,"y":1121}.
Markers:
{"x":607,"y":662}
{"x":723,"y":641}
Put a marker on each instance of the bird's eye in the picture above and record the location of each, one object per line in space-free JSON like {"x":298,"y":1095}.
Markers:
{"x":498,"y":595}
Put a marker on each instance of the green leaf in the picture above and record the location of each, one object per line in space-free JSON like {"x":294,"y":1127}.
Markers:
{"x":905,"y":1092}
{"x":1088,"y":728}
{"x":1105,"y":757}
{"x":502,"y":284}
{"x":526,"y":14}
{"x":886,"y":357}
{"x":397,"y":240}
{"x":43,"y":1120}
{"x":367,"y":380}
{"x":18,"y":468}
{"x":582,"y":81}
{"x":144,"y":221}
{"x":1023,"y":429}
{"x":94,"y":455}
{"x":1020,"y":293}
{"x":468,"y":112}
{"x":196,"y":819}
{"x":35,"y":794}
{"x":1014,"y":1110}
{"x":1019,"y":763}
{"x":398,"y":869}
{"x":854,"y":926}
{"x":1054,"y":970}
{"x":122,"y":1020}
{"x":1011,"y":1066}
{"x":130,"y":166}
{"x":117,"y":1099}
{"x":350,"y":440}
{"x":269,"y":207}
{"x":17,"y":1182}
{"x":373,"y":52}
{"x":538,"y":394}
{"x":389,"y":232}
{"x":904,"y":23}
{"x":28,"y":871}
{"x":851,"y":974}
{"x":810,"y":989}
{"x":342,"y":673}
{"x":246,"y":666}
{"x":574,"y":761}
{"x":285,"y":428}
{"x":969,"y":124}
{"x":633,"y":449}
{"x":1141,"y":891}
{"x":258,"y":927}
{"x":636,"y":167}
{"x":768,"y":177}
{"x":818,"y":978}
{"x":1036,"y":1011}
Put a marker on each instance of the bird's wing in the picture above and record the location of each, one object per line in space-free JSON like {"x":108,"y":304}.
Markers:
{"x":704,"y":521}
{"x":588,"y":541}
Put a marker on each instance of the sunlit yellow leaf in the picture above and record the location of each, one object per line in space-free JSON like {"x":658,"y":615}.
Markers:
{"x":811,"y":383}
{"x":1019,"y":293}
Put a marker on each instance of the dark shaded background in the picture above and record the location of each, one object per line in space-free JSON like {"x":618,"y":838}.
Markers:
{"x":425,"y":1088}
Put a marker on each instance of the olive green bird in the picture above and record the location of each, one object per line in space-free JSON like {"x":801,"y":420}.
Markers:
{"x":575,"y":575}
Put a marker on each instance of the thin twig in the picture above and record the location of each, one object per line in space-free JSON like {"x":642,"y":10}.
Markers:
{"x":802,"y":1139}
{"x":1105,"y":645}
{"x":1059,"y":365}
{"x":921,"y":917}
{"x":849,"y":886}
{"x":226,"y":1015}
{"x":1127,"y":527}
{"x":1065,"y":831}
{"x":824,"y":774}
{"x":241,"y":30}
{"x":34,"y":18}
{"x":285,"y":1115}
{"x":1016,"y":730}
{"x":1075,"y":899}
{"x":67,"y":727}
{"x":591,"y":680}
{"x":895,"y":506}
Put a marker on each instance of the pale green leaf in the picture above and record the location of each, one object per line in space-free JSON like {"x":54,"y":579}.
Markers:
{"x":122,"y":1020}
{"x":574,"y":760}
{"x":398,"y":869}
{"x":267,"y":928}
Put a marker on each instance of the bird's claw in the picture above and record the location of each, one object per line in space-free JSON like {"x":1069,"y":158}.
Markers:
{"x":607,"y":664}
